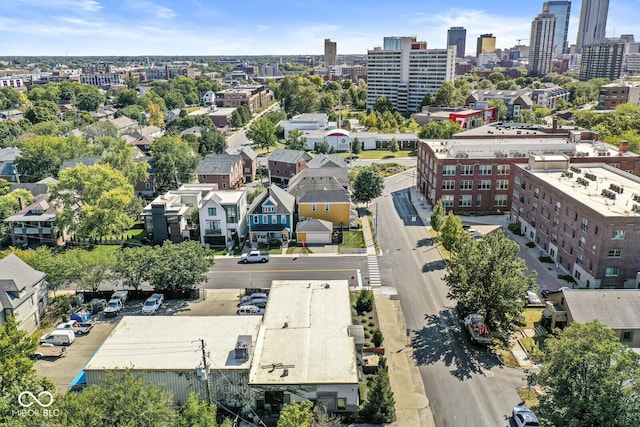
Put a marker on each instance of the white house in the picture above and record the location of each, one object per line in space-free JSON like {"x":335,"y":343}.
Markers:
{"x":222,"y":217}
{"x":208,"y":98}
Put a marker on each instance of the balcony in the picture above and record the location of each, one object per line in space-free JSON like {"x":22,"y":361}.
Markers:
{"x":212,"y":232}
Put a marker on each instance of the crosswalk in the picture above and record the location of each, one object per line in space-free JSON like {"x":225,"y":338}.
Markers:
{"x":374,"y":272}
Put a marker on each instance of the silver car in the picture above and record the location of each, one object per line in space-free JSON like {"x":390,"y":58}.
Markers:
{"x":524,"y":417}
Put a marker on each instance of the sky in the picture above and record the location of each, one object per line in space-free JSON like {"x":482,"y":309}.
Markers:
{"x":261,"y":27}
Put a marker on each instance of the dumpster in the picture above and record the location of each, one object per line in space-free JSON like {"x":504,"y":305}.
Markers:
{"x":81,"y":315}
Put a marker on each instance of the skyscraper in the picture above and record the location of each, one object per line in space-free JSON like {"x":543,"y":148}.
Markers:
{"x":562,"y":10}
{"x":602,"y":59}
{"x":457,"y":36}
{"x":486,"y":44}
{"x":404,"y":71}
{"x":593,"y":22}
{"x":541,"y":40}
{"x":330,"y":52}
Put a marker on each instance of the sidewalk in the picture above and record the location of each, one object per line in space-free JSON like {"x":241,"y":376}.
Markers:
{"x":368,"y":236}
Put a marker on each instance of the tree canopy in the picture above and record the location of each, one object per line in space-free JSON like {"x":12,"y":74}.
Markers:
{"x":263,"y":133}
{"x":296,"y":140}
{"x":175,"y":267}
{"x":367,"y":185}
{"x":174,"y":162}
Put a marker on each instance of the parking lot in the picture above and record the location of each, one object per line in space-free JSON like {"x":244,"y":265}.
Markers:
{"x":217,"y":302}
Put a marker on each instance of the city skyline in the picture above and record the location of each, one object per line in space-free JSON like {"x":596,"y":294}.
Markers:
{"x":193,"y":27}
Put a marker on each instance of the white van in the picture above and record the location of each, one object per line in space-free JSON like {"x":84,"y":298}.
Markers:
{"x":58,"y":337}
{"x":250,"y":309}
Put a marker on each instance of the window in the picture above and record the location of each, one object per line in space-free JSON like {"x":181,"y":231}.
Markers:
{"x":447,"y":201}
{"x":485,"y":170}
{"x":536,"y":193}
{"x":268,"y":209}
{"x":448,"y":185}
{"x":265,"y":219}
{"x":448,"y":170}
{"x":558,"y":207}
{"x":478,"y":200}
{"x":466,"y":170}
{"x":626,"y":336}
{"x":326,"y":207}
{"x":612,"y":271}
{"x":534,"y":208}
{"x":341,"y":403}
{"x":556,"y":223}
{"x":584,"y":226}
{"x":502,"y":184}
{"x":516,"y":179}
{"x":465,"y":201}
{"x":466,"y":185}
{"x":484,"y":184}
{"x":504,"y":170}
{"x":255,"y":219}
{"x":615,"y":253}
{"x":593,"y":249}
{"x":313,"y":207}
{"x":500,"y":200}
{"x":516,"y":195}
{"x":212,"y":212}
{"x":581,"y":242}
{"x":232,"y":214}
{"x":595,"y":231}
{"x":617,"y":234}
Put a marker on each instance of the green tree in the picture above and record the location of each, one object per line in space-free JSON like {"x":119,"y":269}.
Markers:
{"x":173,"y":161}
{"x":236,"y":119}
{"x":121,"y":156}
{"x":263,"y":133}
{"x":197,"y":413}
{"x":488,"y":277}
{"x":590,"y":378}
{"x":439,"y":130}
{"x":393,"y":145}
{"x":356,"y":146}
{"x":10,"y":202}
{"x":367,"y":185}
{"x":451,"y":232}
{"x":428,"y":99}
{"x":17,"y":372}
{"x":99,"y":130}
{"x":377,"y":338}
{"x":131,"y":264}
{"x":380,"y":405}
{"x":324,"y":147}
{"x":211,"y":141}
{"x":501,"y":108}
{"x":89,"y":100}
{"x":42,"y":111}
{"x":296,"y":414}
{"x":437,"y":216}
{"x":178,"y":267}
{"x":61,"y":269}
{"x":123,"y":399}
{"x":382,"y":105}
{"x":97,"y":201}
{"x":296,"y":140}
{"x":327,"y":102}
{"x":126,"y":97}
{"x":40,"y":157}
{"x":447,"y":95}
{"x":496,"y":77}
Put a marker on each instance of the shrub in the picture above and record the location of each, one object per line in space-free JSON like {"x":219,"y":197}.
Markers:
{"x":377,"y":338}
{"x":514,"y":227}
{"x":531,"y":245}
{"x":364,"y":303}
{"x":546,"y":258}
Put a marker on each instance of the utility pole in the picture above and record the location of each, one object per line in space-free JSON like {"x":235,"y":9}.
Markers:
{"x":205,"y":368}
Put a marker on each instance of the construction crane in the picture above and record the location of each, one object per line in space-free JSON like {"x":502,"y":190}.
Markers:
{"x":519,"y":40}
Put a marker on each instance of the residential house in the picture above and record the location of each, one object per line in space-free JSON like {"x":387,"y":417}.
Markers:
{"x":208,"y":98}
{"x":103,"y":114}
{"x":619,"y":309}
{"x":225,"y":170}
{"x":35,"y":224}
{"x":321,"y":197}
{"x":284,"y":163}
{"x":150,"y":132}
{"x":223,"y":217}
{"x":172,"y":115}
{"x":11,"y":115}
{"x":35,"y":188}
{"x":249,"y":163}
{"x":327,"y":161}
{"x":271,"y":216}
{"x":124,"y":124}
{"x":340,"y":174}
{"x":8,"y":169}
{"x":23,"y":293}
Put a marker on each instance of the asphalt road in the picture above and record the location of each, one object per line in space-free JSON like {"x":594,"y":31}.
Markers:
{"x":239,"y":139}
{"x":227,"y":272}
{"x":466,"y":385}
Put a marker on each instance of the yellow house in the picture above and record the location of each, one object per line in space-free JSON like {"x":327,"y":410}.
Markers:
{"x":328,"y":205}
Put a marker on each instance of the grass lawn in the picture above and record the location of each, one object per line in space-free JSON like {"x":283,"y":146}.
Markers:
{"x":529,"y":396}
{"x":381,"y":154}
{"x":532,"y":317}
{"x":352,"y":239}
{"x":506,"y":356}
{"x":259,"y":150}
{"x":298,"y":250}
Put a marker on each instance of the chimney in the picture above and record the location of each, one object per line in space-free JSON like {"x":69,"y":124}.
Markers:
{"x":623,"y":147}
{"x":555,"y":124}
{"x":21,"y":202}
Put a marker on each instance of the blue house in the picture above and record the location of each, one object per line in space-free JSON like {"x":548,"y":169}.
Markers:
{"x":271,"y":216}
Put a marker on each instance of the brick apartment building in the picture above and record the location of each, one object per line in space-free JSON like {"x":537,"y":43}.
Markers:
{"x":616,"y":93}
{"x":585,"y":216}
{"x":254,"y":97}
{"x":476,"y":175}
{"x":284,"y":163}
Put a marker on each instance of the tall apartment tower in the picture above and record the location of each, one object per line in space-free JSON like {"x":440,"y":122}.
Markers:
{"x":330,"y":52}
{"x":404,"y":71}
{"x":543,"y":30}
{"x":602,"y":59}
{"x":457,"y":36}
{"x":486,"y":44}
{"x":593,"y":22}
{"x":562,"y":10}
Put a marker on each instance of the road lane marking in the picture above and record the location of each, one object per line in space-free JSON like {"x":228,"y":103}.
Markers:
{"x":280,"y":271}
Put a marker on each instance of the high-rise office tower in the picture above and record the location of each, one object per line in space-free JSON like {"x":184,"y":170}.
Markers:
{"x":543,"y":30}
{"x":593,"y":22}
{"x":486,"y":44}
{"x":602,"y":59}
{"x":330,"y":52}
{"x":562,"y":10}
{"x":457,"y":36}
{"x":404,"y":71}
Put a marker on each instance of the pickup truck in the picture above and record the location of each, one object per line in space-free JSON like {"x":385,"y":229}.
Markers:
{"x":254,"y":256}
{"x":49,"y":350}
{"x":121,"y":295}
{"x":478,"y":330}
{"x":78,"y":328}
{"x":113,"y":308}
{"x":152,"y":304}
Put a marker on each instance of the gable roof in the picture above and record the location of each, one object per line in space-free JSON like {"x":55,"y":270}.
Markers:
{"x":123,"y":122}
{"x":9,"y":154}
{"x":616,"y":308}
{"x":313,"y":224}
{"x":327,"y":160}
{"x":87,"y":161}
{"x":285,"y":202}
{"x":318,"y":179}
{"x":217,"y":164}
{"x":15,"y":276}
{"x":285,"y":155}
{"x":40,"y":209}
{"x":325,"y":196}
{"x":248,"y":152}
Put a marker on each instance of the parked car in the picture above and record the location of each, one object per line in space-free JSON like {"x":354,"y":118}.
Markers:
{"x":152,"y":304}
{"x":250,"y":310}
{"x":533,"y":298}
{"x":524,"y":417}
{"x":49,"y":350}
{"x":121,"y":295}
{"x":247,"y":298}
{"x":78,"y":328}
{"x":254,"y":256}
{"x":58,"y":337}
{"x":113,"y":308}
{"x":258,"y":302}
